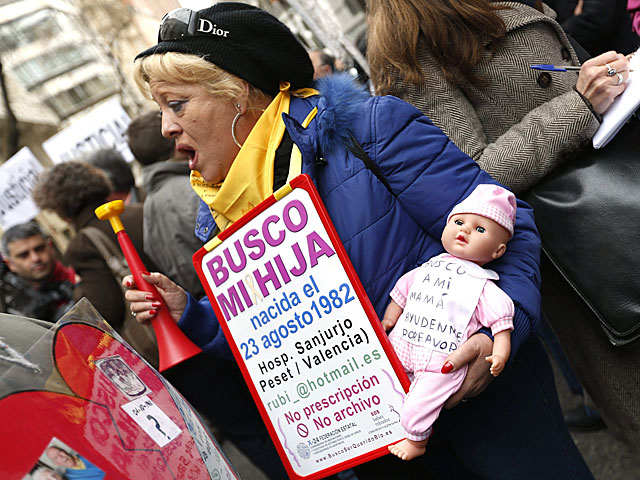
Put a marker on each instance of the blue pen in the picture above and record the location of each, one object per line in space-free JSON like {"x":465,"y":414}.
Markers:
{"x":556,"y":68}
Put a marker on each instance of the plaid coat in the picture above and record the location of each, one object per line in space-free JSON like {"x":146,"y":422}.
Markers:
{"x":522,"y":123}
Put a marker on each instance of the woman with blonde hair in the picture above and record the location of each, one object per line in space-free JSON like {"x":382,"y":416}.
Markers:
{"x":235,"y":90}
{"x":73,"y":190}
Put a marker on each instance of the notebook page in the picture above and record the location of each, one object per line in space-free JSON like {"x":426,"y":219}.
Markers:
{"x":623,"y":106}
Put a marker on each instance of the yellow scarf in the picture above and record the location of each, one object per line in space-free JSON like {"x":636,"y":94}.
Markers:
{"x":250,"y":178}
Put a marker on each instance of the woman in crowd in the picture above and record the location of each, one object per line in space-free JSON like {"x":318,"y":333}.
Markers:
{"x":73,"y":190}
{"x":238,"y":103}
{"x":466,"y":65}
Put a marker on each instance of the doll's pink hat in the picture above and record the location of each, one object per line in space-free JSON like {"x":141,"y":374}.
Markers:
{"x":491,"y":201}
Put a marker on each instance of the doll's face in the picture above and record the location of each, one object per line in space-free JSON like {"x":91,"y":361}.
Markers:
{"x":475,"y":238}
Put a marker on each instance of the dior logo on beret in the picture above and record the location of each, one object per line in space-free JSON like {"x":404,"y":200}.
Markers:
{"x":258,"y":48}
{"x":205,"y":26}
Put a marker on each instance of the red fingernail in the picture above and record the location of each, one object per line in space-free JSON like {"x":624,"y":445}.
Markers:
{"x":150,"y":297}
{"x":447,"y":367}
{"x":152,"y":312}
{"x":129,"y":283}
{"x":156,"y":304}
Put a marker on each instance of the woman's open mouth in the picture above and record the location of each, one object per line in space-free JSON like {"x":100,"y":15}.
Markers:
{"x":189,"y":152}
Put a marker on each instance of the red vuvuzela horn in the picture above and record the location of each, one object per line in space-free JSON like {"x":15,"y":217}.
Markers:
{"x":173,"y":345}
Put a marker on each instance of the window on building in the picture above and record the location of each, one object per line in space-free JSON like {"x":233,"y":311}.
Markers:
{"x":80,"y":96}
{"x":53,"y":63}
{"x":39,"y":25}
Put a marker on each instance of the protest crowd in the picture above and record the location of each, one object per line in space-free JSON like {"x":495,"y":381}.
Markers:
{"x":466,"y":119}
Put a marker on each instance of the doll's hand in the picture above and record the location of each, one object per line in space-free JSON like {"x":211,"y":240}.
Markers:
{"x":473,"y":351}
{"x":497,"y":364}
{"x":391,"y":315}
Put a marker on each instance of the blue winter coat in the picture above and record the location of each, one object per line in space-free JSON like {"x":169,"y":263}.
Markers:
{"x":387,"y":234}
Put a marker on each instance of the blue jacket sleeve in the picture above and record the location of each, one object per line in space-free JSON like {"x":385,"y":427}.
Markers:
{"x":429,"y":175}
{"x":200,"y":325}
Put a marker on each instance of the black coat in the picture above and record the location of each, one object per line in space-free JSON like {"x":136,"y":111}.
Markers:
{"x":603,"y":25}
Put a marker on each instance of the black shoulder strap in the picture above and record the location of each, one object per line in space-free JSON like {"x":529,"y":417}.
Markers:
{"x":359,"y":152}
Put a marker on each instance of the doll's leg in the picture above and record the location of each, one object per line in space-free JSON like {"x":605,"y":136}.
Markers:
{"x":409,"y":449}
{"x":513,"y":424}
{"x":422,"y":405}
{"x":415,"y":444}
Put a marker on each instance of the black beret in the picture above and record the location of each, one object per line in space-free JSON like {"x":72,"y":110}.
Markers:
{"x":247,"y":42}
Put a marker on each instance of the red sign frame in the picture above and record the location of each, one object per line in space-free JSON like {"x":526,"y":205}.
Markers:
{"x":301,"y":182}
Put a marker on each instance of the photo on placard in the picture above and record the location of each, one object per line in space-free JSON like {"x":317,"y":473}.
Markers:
{"x":122,"y":376}
{"x":58,"y":461}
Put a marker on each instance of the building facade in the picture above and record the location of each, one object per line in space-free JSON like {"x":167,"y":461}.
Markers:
{"x":60,"y":58}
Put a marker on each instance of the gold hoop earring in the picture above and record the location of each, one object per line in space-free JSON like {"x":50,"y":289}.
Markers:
{"x":233,"y":128}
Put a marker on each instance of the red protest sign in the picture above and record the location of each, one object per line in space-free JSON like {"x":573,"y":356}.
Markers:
{"x":304,"y":333}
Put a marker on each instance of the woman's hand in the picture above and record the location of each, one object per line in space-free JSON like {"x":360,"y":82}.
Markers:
{"x":597,"y":86}
{"x":472,"y":352}
{"x":145,"y":305}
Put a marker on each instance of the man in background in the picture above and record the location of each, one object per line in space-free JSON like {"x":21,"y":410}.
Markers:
{"x":33,"y":282}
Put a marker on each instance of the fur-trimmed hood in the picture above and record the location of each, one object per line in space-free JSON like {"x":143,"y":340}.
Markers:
{"x":339,"y":107}
{"x":339,"y":104}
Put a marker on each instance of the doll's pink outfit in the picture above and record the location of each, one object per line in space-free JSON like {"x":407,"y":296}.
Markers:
{"x":444,"y":301}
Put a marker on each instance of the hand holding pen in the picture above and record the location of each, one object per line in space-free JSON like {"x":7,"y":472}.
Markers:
{"x":600,"y":79}
{"x":573,"y":68}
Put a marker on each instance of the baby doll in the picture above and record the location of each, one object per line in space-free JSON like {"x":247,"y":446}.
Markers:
{"x":437,"y":306}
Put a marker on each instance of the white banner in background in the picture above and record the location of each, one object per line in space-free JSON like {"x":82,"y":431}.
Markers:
{"x":104,"y":127}
{"x":18,"y":175}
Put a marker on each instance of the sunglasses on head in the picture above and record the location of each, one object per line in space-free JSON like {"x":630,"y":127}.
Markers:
{"x":178,"y":24}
